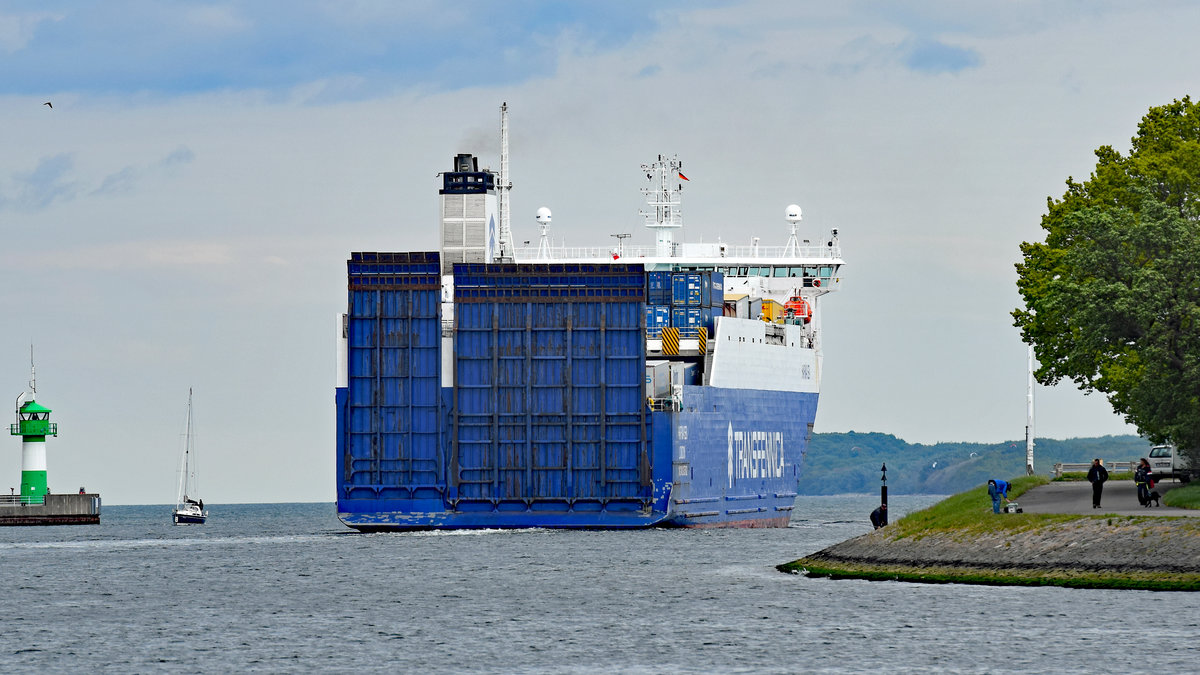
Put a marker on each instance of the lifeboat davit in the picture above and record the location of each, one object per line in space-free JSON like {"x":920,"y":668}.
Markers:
{"x":800,"y":308}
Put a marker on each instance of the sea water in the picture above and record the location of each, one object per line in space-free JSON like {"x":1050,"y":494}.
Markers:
{"x":287,"y":588}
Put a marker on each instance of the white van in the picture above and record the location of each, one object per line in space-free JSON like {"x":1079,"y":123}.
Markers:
{"x":1165,"y":461}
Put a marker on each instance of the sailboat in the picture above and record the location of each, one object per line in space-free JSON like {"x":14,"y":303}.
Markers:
{"x":188,"y":508}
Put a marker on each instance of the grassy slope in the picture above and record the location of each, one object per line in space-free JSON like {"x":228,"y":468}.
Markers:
{"x":962,"y":514}
{"x":1187,"y":497}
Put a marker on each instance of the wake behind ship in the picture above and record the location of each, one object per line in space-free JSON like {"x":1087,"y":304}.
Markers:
{"x":482,"y":386}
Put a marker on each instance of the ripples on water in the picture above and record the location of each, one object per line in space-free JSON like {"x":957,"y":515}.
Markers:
{"x":286,"y":588}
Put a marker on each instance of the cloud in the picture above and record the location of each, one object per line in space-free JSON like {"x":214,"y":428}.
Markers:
{"x":48,"y":183}
{"x":217,"y":19}
{"x":18,"y":30}
{"x":181,"y":48}
{"x":933,"y":56}
{"x":126,"y":179}
{"x":128,"y":256}
{"x":52,"y":181}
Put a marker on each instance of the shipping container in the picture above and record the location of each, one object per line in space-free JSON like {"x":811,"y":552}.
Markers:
{"x":686,"y":289}
{"x":710,"y":321}
{"x":737,"y":305}
{"x":717,"y":292}
{"x":682,"y":373}
{"x":687,"y":320}
{"x":658,"y":379}
{"x":658,"y":288}
{"x":658,"y":317}
{"x":772,"y":311}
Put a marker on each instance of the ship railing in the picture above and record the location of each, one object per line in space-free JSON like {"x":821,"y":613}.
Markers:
{"x":699,"y":251}
{"x":21,"y":500}
{"x":685,"y":332}
{"x":666,"y":404}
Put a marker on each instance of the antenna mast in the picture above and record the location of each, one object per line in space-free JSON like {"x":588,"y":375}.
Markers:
{"x":502,"y":188}
{"x":32,"y":371}
{"x":663,"y":198}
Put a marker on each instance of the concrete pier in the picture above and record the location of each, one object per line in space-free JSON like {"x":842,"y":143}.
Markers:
{"x":68,"y":509}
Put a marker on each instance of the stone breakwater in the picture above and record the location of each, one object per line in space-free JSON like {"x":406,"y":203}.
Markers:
{"x":1092,"y":544}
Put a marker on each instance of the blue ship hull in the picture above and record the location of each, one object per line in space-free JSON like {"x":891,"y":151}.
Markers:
{"x":730,"y":458}
{"x":737,"y":456}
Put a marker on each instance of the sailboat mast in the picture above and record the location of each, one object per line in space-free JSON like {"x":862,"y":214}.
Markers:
{"x":184,"y":477}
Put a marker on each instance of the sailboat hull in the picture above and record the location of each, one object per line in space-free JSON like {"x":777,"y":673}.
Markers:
{"x":186,"y":518}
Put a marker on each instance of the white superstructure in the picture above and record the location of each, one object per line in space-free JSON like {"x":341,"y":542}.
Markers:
{"x":757,"y":343}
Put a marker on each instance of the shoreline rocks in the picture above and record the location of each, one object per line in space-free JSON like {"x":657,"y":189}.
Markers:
{"x":1088,"y":543}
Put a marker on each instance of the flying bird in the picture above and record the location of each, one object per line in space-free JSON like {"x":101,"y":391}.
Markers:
{"x":49,"y":104}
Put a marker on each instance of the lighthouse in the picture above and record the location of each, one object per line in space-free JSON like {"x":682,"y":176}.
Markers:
{"x":33,"y":426}
{"x":35,"y":505}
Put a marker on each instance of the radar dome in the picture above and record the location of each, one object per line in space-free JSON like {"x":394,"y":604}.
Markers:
{"x":792,"y":214}
{"x":543,"y":215}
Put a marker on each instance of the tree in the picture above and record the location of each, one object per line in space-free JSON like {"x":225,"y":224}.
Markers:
{"x":1112,"y":296}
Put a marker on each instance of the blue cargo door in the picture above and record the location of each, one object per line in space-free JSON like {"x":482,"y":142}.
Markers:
{"x":391,"y":433}
{"x":548,"y":394}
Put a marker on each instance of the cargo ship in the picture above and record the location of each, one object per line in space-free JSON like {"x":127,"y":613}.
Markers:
{"x":490,"y":386}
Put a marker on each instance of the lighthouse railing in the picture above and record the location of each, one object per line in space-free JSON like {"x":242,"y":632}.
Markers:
{"x":44,"y":429}
{"x":21,"y":500}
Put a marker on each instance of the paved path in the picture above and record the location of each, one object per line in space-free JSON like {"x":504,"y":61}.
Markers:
{"x":1120,"y":498}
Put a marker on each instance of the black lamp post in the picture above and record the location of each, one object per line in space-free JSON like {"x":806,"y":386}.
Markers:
{"x":883,"y":486}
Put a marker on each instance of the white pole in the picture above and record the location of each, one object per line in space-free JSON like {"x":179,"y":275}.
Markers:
{"x":1029,"y":422}
{"x":506,"y":242}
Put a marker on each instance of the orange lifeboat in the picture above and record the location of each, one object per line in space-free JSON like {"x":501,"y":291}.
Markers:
{"x":799,"y":308}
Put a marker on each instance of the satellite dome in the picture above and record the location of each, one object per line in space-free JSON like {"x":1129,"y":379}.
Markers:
{"x":792,"y":214}
{"x":543,"y":215}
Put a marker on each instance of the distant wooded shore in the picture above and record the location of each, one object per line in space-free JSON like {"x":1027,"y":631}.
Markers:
{"x":849,"y":462}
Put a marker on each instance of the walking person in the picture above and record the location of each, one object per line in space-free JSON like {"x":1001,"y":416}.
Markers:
{"x":1096,"y":476}
{"x":996,"y":489}
{"x":1144,"y":481}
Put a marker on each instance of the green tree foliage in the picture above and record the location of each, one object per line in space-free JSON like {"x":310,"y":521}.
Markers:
{"x":1112,"y":296}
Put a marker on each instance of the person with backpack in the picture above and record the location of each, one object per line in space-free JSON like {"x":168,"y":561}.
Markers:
{"x":1096,"y":476}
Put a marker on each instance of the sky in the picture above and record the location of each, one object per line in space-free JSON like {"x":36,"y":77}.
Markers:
{"x":181,"y":217}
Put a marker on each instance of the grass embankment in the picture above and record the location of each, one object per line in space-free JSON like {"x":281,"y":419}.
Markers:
{"x":967,"y":517}
{"x":1186,"y":497}
{"x":970,"y":512}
